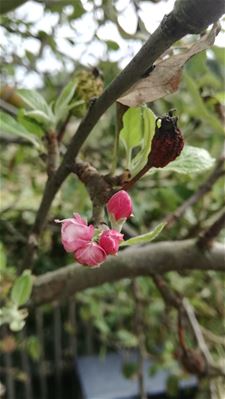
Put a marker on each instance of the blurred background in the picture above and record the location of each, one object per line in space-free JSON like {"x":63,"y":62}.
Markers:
{"x":65,"y":347}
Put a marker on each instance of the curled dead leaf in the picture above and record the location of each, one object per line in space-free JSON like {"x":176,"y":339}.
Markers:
{"x":166,"y":76}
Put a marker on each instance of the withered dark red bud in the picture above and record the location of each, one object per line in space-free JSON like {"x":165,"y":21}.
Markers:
{"x":167,"y":142}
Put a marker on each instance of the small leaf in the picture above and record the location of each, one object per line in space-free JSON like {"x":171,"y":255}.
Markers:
{"x":33,"y":347}
{"x":144,"y":238}
{"x":131,"y":132}
{"x":39,"y":117}
{"x":10,"y":125}
{"x":220,"y":97}
{"x":112,"y":45}
{"x":172,"y":385}
{"x":192,"y":160}
{"x":148,"y":131}
{"x":3,"y":258}
{"x":34,"y":100}
{"x":75,"y":104}
{"x":31,"y":126}
{"x":130,"y":370}
{"x":64,"y":99}
{"x":127,"y":338}
{"x":22,"y":288}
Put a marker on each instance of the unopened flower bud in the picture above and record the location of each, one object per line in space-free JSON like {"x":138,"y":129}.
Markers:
{"x":120,"y":205}
{"x":110,"y":241}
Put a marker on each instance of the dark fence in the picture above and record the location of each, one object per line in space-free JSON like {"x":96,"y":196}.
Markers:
{"x":55,"y":329}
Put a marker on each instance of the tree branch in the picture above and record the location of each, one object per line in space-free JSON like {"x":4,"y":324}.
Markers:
{"x":139,"y":261}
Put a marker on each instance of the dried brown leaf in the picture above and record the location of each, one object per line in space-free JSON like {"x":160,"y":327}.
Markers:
{"x":166,"y":76}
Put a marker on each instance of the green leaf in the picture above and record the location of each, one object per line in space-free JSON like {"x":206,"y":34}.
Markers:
{"x":200,"y":109}
{"x":33,"y":347}
{"x":148,"y":131}
{"x":112,"y":45}
{"x":130,"y":370}
{"x":39,"y":117}
{"x":36,"y":102}
{"x":75,"y":104}
{"x":31,"y":126}
{"x":3,"y":258}
{"x":192,"y":160}
{"x":172,"y":385}
{"x":22,"y":288}
{"x":144,"y":238}
{"x":220,"y":97}
{"x":64,"y":100}
{"x":127,"y":338}
{"x":131,"y":133}
{"x":9,"y":125}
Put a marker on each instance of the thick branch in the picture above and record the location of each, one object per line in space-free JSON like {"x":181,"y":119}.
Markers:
{"x":154,"y":258}
{"x":173,"y":27}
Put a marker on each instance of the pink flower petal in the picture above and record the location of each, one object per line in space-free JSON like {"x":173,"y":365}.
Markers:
{"x":91,"y":254}
{"x":75,"y":233}
{"x":110,"y":241}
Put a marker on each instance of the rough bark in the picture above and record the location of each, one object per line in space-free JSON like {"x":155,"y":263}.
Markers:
{"x":156,"y":258}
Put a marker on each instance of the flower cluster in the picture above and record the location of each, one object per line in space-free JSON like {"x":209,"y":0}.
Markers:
{"x":89,"y":246}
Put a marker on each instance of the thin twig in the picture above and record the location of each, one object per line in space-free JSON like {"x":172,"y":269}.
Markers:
{"x":215,"y":339}
{"x":98,"y":188}
{"x":53,"y":152}
{"x":62,"y":129}
{"x":196,"y":330}
{"x":204,"y":188}
{"x":138,"y":320}
{"x":208,"y":236}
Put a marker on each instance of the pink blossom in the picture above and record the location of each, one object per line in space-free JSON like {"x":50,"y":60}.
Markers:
{"x":75,"y":233}
{"x":90,"y":254}
{"x":110,"y":241}
{"x":120,"y":205}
